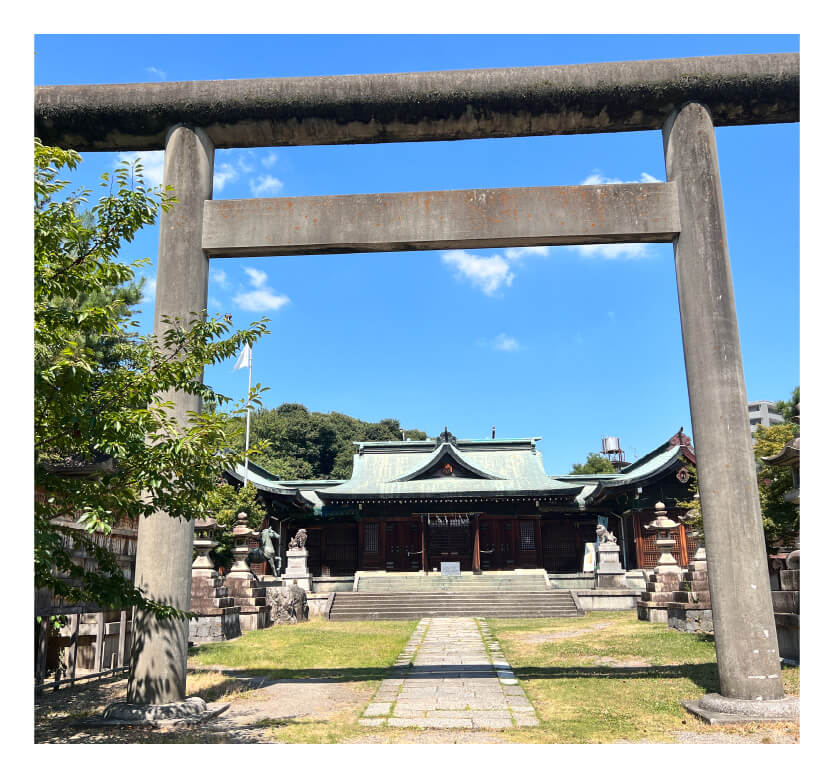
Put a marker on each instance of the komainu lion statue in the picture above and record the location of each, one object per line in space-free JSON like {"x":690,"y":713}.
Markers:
{"x":604,"y":535}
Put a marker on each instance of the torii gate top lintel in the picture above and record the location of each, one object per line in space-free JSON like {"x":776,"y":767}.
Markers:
{"x":426,"y":106}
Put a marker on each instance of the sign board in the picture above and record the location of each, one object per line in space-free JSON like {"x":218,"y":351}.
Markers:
{"x":450,"y":568}
{"x":589,"y":560}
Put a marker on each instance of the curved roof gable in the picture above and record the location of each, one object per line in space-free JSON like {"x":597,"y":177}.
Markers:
{"x":447,"y":450}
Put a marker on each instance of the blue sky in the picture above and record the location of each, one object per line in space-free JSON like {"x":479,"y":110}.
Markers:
{"x":566,"y":343}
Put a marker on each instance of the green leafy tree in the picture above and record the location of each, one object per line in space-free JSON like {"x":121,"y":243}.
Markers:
{"x":106,"y":445}
{"x":789,"y":409}
{"x":297,"y":444}
{"x":781,"y":519}
{"x":224,"y":504}
{"x":594,"y":463}
{"x":692,"y":518}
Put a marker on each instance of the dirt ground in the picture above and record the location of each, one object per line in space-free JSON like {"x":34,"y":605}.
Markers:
{"x":258,"y":705}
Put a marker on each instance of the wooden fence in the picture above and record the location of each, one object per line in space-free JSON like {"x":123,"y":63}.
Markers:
{"x":119,"y":659}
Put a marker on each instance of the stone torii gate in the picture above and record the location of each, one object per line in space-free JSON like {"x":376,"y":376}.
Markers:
{"x":685,"y":98}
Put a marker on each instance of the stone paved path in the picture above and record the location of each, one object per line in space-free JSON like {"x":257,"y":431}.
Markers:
{"x":458,"y":680}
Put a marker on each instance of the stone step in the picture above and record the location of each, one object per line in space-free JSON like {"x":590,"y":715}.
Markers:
{"x":377,"y":606}
{"x":411,"y":616}
{"x":448,"y":596}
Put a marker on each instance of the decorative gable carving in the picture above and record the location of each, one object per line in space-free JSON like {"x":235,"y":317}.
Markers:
{"x":448,"y":462}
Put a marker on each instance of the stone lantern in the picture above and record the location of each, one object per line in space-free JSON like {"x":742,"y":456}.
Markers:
{"x":204,"y":542}
{"x":664,"y":582}
{"x":663,"y":525}
{"x":241,"y":534}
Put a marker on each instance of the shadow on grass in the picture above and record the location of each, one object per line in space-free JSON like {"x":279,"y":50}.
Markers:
{"x":704,"y":674}
{"x":265,"y":676}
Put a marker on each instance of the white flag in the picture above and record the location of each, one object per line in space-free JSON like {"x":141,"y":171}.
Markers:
{"x":245,"y":358}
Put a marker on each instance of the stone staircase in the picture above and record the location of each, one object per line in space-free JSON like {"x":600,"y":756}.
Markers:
{"x":413,"y":597}
{"x":534,"y":580}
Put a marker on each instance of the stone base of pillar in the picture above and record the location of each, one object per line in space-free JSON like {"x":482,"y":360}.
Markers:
{"x":191,"y":711}
{"x":716,"y":709}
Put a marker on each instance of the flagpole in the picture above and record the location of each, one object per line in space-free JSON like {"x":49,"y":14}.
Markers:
{"x":246,"y":462}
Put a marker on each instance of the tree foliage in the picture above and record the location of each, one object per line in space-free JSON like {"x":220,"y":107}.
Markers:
{"x":781,"y":519}
{"x":594,"y":463}
{"x":692,"y":518}
{"x":789,"y":409}
{"x":297,"y":444}
{"x":225,"y":502}
{"x":106,"y":445}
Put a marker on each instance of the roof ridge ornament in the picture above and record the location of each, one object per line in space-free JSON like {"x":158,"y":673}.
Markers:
{"x":445,"y":437}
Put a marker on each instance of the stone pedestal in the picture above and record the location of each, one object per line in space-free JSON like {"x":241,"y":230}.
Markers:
{"x":786,"y":612}
{"x":218,"y":616}
{"x":249,"y":595}
{"x":691,"y":610}
{"x":610,"y":573}
{"x":297,"y":569}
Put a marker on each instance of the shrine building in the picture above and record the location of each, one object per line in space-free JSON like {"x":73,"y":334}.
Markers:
{"x":484,"y":504}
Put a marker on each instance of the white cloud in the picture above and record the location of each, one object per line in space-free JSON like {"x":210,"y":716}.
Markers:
{"x":597,"y":179}
{"x":219,"y":277}
{"x":246,"y":161}
{"x":261,"y":297}
{"x":223,"y":174}
{"x":504,"y":342}
{"x":256,"y":277}
{"x":214,"y":303}
{"x":261,"y":300}
{"x":149,"y":290}
{"x":488,"y":274}
{"x":614,"y":250}
{"x":270,"y":159}
{"x":160,"y":74}
{"x":152,"y":164}
{"x":265,"y":184}
{"x":526,"y":251}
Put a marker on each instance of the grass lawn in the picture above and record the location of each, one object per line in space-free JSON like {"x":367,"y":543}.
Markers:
{"x":601,"y":678}
{"x":335,"y":650}
{"x":621,"y":681}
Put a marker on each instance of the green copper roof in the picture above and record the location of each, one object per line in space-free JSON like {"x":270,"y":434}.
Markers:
{"x":492,"y":468}
{"x":487,"y":468}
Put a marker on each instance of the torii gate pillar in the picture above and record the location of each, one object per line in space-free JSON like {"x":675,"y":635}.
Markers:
{"x":745,"y":631}
{"x":165,"y":543}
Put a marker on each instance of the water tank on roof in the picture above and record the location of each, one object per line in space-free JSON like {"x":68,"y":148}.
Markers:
{"x":611,"y":446}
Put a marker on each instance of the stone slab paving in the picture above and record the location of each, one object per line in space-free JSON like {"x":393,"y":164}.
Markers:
{"x":451,"y":675}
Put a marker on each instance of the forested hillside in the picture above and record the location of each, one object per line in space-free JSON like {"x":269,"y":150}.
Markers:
{"x":299,"y":444}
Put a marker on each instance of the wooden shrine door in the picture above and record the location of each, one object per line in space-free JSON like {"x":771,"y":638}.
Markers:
{"x":403,"y":545}
{"x":497,"y":544}
{"x":450,"y":539}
